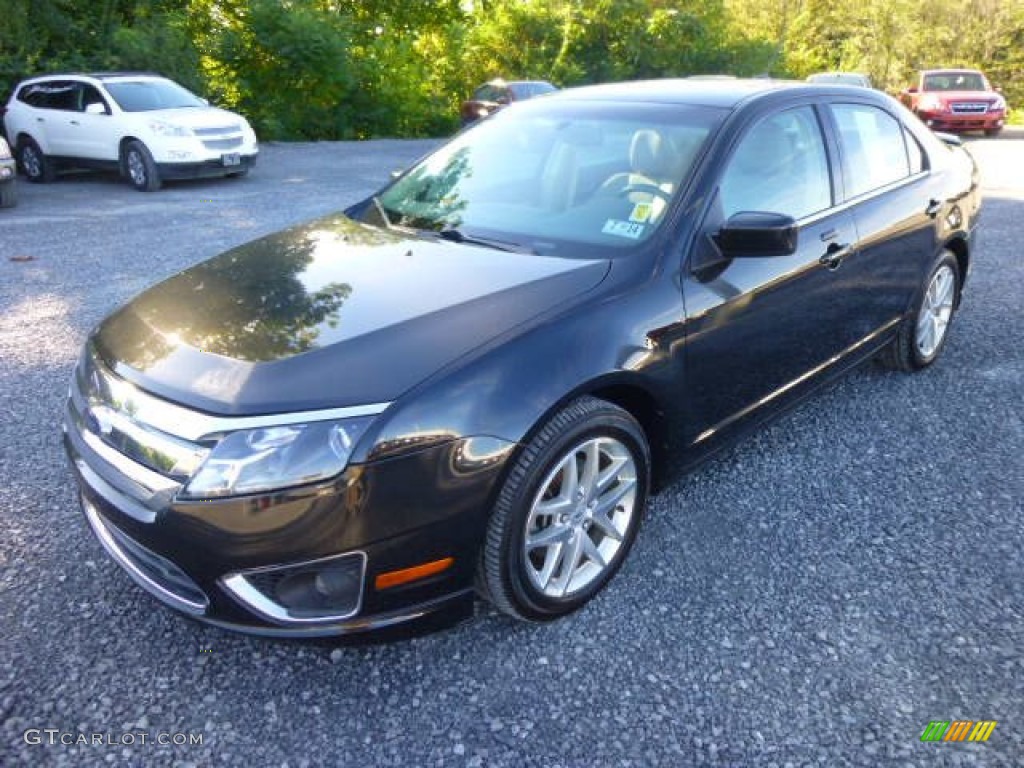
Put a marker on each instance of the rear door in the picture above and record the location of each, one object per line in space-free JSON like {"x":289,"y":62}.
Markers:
{"x":759,"y":327}
{"x":888,"y":187}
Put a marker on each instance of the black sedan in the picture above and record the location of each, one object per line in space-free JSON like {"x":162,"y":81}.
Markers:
{"x":469,"y":383}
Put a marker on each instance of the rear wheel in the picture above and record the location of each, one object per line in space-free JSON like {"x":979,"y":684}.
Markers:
{"x":139,"y":167}
{"x":36,"y":166}
{"x":568,"y":513}
{"x":923,"y":334}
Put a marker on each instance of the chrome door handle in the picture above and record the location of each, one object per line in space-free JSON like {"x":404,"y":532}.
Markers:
{"x":834,"y":255}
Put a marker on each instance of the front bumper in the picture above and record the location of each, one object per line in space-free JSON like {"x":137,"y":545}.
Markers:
{"x":956,"y":123}
{"x":394,"y":514}
{"x":206,"y":169}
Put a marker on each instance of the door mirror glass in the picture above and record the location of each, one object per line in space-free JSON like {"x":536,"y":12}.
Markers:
{"x":95,"y":108}
{"x":754,"y":234}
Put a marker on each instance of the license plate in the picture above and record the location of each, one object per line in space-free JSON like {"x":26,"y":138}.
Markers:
{"x":232,"y":158}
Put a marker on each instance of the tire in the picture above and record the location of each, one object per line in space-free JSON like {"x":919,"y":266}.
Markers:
{"x":991,"y":132}
{"x":8,"y":195}
{"x":138,"y":167}
{"x":36,"y":166}
{"x":923,"y":333}
{"x":553,"y":474}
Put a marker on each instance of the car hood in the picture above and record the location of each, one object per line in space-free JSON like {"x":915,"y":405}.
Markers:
{"x":987,"y":96}
{"x":328,"y":314}
{"x":195,"y":117}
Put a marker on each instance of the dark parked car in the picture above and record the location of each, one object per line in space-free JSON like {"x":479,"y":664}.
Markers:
{"x":470,"y":382}
{"x":492,"y":96}
{"x":956,"y":100}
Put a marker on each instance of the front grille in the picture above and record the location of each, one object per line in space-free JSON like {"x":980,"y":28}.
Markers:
{"x":113,"y":413}
{"x":221,"y":131}
{"x":220,"y":144}
{"x":155,"y":573}
{"x":968,"y":108}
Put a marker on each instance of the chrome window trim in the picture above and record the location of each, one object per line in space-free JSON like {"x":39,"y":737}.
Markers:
{"x":195,"y":426}
{"x":238,"y":586}
{"x":106,"y":538}
{"x":863,"y":197}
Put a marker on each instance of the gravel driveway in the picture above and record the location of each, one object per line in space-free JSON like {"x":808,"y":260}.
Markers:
{"x":815,"y":596}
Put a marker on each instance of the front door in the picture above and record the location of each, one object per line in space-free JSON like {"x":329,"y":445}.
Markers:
{"x":758,"y":328}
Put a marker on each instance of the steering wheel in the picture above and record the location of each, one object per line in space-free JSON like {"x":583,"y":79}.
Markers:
{"x":650,"y":189}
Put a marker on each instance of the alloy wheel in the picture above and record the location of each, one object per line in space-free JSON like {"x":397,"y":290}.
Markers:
{"x":136,"y":168}
{"x":580,"y":516}
{"x":936,"y":311}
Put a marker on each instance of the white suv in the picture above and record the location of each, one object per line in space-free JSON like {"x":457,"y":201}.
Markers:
{"x":147,"y":127}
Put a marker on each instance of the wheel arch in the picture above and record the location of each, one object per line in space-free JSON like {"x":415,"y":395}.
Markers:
{"x":958,"y":246}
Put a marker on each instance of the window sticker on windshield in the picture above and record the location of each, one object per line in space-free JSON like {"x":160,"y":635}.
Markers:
{"x":631,"y":229}
{"x":641,"y":212}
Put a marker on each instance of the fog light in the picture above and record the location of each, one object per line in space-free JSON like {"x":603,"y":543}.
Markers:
{"x":323,"y":590}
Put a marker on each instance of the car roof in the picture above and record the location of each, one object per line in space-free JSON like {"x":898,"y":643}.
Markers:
{"x":93,"y":76}
{"x":724,"y":93}
{"x":957,"y":70}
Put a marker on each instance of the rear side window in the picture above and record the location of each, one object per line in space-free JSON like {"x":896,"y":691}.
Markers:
{"x":780,"y":166}
{"x":873,"y":147}
{"x":55,"y":94}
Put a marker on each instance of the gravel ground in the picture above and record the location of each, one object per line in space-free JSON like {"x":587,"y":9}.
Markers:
{"x":814,"y":597}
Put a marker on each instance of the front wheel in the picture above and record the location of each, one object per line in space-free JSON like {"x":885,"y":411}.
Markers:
{"x":568,"y":513}
{"x":992,"y":131}
{"x":139,"y":167}
{"x":923,"y":334}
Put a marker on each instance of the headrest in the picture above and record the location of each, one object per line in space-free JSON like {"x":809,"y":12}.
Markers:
{"x":650,"y":155}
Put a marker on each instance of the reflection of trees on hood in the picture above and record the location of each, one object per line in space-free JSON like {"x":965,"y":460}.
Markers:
{"x":249,"y":304}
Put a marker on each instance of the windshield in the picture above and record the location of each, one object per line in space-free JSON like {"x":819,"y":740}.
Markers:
{"x":148,"y":95}
{"x":955,"y":81}
{"x":550,"y":178}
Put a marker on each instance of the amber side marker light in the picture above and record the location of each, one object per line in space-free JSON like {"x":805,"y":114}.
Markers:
{"x":417,"y":572}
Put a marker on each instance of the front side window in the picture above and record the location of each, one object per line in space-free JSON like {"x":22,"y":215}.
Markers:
{"x":553,"y":177}
{"x":872,"y":143}
{"x":779,"y":166}
{"x":150,"y":95}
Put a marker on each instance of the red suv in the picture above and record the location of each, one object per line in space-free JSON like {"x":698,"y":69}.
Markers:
{"x":956,"y":100}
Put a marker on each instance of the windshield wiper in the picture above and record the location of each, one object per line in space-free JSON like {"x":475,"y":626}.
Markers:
{"x":458,"y":236}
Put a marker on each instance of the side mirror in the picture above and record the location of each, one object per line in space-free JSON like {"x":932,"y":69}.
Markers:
{"x":96,"y":108}
{"x":754,"y":234}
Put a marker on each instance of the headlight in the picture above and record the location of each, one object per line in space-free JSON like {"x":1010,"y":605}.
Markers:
{"x":271,"y":458}
{"x":932,"y":103}
{"x":163,"y":128}
{"x":999,"y":103}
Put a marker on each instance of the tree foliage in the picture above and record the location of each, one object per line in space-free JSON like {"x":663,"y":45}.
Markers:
{"x":312,"y":69}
